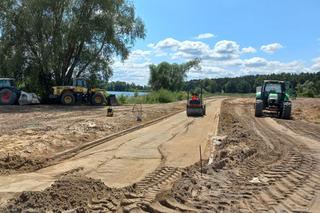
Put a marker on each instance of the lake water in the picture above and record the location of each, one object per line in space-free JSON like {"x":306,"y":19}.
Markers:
{"x":125,"y":93}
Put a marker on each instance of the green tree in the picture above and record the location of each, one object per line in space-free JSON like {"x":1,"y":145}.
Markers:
{"x":170,"y":76}
{"x":45,"y":42}
{"x":243,"y":86}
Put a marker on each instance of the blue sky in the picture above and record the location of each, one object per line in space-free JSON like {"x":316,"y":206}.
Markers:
{"x":232,"y":37}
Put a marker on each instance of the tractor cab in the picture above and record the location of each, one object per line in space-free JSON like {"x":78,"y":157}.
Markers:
{"x":7,"y":82}
{"x":273,"y":93}
{"x":272,"y":97}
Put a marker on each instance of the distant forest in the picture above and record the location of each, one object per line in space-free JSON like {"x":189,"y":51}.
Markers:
{"x":304,"y":84}
{"x":124,"y":86}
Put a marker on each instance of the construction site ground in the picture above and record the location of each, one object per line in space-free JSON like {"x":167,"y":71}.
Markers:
{"x":29,"y":135}
{"x":249,"y":164}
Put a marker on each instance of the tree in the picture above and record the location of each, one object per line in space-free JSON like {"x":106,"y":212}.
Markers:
{"x":170,"y":76}
{"x":45,"y":42}
{"x":243,"y":86}
{"x":306,"y":84}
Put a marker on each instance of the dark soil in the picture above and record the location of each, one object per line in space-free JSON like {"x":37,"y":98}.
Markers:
{"x":69,"y":192}
{"x":16,"y":163}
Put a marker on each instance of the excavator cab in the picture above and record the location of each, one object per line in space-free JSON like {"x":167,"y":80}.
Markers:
{"x":80,"y":82}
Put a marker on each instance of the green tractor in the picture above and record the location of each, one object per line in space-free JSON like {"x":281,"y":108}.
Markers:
{"x":273,"y":97}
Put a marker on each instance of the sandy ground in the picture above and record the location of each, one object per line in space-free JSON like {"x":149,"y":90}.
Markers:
{"x":260,"y":166}
{"x":128,"y":159}
{"x":255,"y":165}
{"x":307,"y":109}
{"x":30,"y":134}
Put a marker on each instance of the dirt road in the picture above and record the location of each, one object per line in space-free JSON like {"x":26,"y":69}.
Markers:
{"x":256,"y":165}
{"x":128,"y":159}
{"x":36,"y":132}
{"x":261,"y":166}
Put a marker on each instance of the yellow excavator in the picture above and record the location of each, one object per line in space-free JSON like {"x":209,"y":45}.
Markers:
{"x":79,"y":92}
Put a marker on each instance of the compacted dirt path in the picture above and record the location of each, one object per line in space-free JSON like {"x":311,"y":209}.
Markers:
{"x":255,"y":165}
{"x":129,"y":158}
{"x":30,"y":134}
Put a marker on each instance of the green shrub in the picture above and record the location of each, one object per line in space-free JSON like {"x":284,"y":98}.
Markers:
{"x":122,"y":99}
{"x":164,"y":96}
{"x":308,"y":93}
{"x":160,"y":96}
{"x":136,"y":93}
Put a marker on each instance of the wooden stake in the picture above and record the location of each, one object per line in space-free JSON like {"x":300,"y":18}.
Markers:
{"x":200,"y":160}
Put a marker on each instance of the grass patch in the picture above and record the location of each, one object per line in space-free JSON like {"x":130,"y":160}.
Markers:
{"x":160,"y":96}
{"x":166,"y":96}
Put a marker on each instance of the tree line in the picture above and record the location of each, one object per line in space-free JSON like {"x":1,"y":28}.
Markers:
{"x":305,"y":84}
{"x":172,"y":77}
{"x":124,"y":86}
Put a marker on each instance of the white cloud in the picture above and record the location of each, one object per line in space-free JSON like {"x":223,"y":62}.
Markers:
{"x":258,"y":65}
{"x":134,"y":69}
{"x":131,"y":71}
{"x":222,"y":51}
{"x":316,"y":65}
{"x":168,"y":43}
{"x":205,"y":36}
{"x":246,"y":50}
{"x":255,"y":62}
{"x":227,"y":47}
{"x":139,"y":54}
{"x":222,"y":59}
{"x":271,"y":48}
{"x":151,"y":45}
{"x":193,"y":47}
{"x":225,"y":50}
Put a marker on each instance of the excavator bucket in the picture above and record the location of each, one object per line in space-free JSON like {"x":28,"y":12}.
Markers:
{"x":112,"y":100}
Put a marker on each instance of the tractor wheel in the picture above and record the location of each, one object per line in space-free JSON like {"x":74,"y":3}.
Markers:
{"x":286,"y":110}
{"x":68,"y":98}
{"x":7,"y":97}
{"x":259,"y":108}
{"x":97,"y":99}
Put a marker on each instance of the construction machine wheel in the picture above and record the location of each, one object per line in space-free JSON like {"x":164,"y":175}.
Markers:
{"x":68,"y":98}
{"x":97,"y":99}
{"x":286,"y":110}
{"x":188,"y":112}
{"x":195,"y":112}
{"x":7,"y":97}
{"x":259,"y":108}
